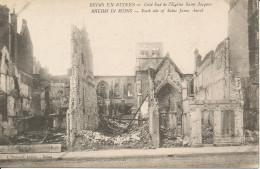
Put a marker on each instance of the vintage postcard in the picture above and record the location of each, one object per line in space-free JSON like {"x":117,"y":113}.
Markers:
{"x":129,"y":83}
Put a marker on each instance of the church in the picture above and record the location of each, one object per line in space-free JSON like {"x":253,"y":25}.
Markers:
{"x":122,"y":96}
{"x":220,"y":96}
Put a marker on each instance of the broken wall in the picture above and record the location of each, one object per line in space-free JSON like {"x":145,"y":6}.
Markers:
{"x":218,"y":100}
{"x":24,"y":58}
{"x":16,"y":96}
{"x":115,"y":89}
{"x":20,"y":90}
{"x":83,"y":111}
{"x":211,"y":79}
{"x":59,"y":100}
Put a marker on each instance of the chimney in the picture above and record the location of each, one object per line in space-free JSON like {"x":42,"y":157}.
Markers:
{"x":197,"y":58}
{"x":13,"y":21}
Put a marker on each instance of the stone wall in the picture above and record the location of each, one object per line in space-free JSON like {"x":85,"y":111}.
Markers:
{"x":24,"y":57}
{"x":143,"y":80}
{"x":238,"y":34}
{"x":187,"y":98}
{"x":59,"y":93}
{"x":149,"y":50}
{"x":142,"y":64}
{"x":251,"y":85}
{"x":218,"y":102}
{"x":116,"y":94}
{"x":4,"y":27}
{"x":83,"y":111}
{"x":215,"y":64}
{"x":20,"y":98}
{"x":227,"y":122}
{"x":59,"y":100}
{"x":123,"y":82}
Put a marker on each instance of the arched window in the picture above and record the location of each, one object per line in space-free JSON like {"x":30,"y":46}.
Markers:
{"x":116,"y":90}
{"x":129,"y":90}
{"x":102,"y":89}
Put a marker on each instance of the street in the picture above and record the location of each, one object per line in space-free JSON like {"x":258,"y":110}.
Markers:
{"x":241,"y":160}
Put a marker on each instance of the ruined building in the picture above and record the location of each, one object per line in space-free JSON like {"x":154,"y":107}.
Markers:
{"x":83,"y":111}
{"x":217,"y":104}
{"x":30,"y":98}
{"x":157,"y":79}
{"x":226,"y":82}
{"x":24,"y":93}
{"x":211,"y":106}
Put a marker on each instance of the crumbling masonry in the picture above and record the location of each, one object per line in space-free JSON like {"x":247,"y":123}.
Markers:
{"x":82,"y":112}
{"x":24,"y":101}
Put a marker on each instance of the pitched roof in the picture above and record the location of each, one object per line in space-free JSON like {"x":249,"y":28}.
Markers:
{"x":171,"y":61}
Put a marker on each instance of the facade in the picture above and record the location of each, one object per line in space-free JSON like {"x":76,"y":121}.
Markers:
{"x":217,"y":104}
{"x":226,"y":82}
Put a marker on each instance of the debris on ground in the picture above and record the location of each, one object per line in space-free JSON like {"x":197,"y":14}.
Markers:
{"x":112,"y":127}
{"x":207,"y":134}
{"x":138,"y":137}
{"x":49,"y":136}
{"x":171,"y":139}
{"x":251,"y":137}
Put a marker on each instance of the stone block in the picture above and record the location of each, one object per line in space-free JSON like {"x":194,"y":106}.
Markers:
{"x":37,"y":148}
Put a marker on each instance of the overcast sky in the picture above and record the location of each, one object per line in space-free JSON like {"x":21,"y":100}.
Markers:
{"x":113,"y":36}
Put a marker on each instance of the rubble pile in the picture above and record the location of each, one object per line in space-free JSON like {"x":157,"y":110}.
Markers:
{"x":138,"y":137}
{"x":28,"y":137}
{"x":170,"y":138}
{"x":112,"y":127}
{"x":47,"y":136}
{"x":251,"y":137}
{"x":207,"y":134}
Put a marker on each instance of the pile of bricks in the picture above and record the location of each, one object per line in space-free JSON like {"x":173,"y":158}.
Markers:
{"x":207,"y":134}
{"x":138,"y":137}
{"x":251,"y":137}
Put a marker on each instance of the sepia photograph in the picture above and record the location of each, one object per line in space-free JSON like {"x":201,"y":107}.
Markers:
{"x":129,"y":83}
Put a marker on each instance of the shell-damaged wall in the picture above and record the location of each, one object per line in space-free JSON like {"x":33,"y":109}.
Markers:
{"x":218,"y":100}
{"x":82,"y":113}
{"x":24,"y":101}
